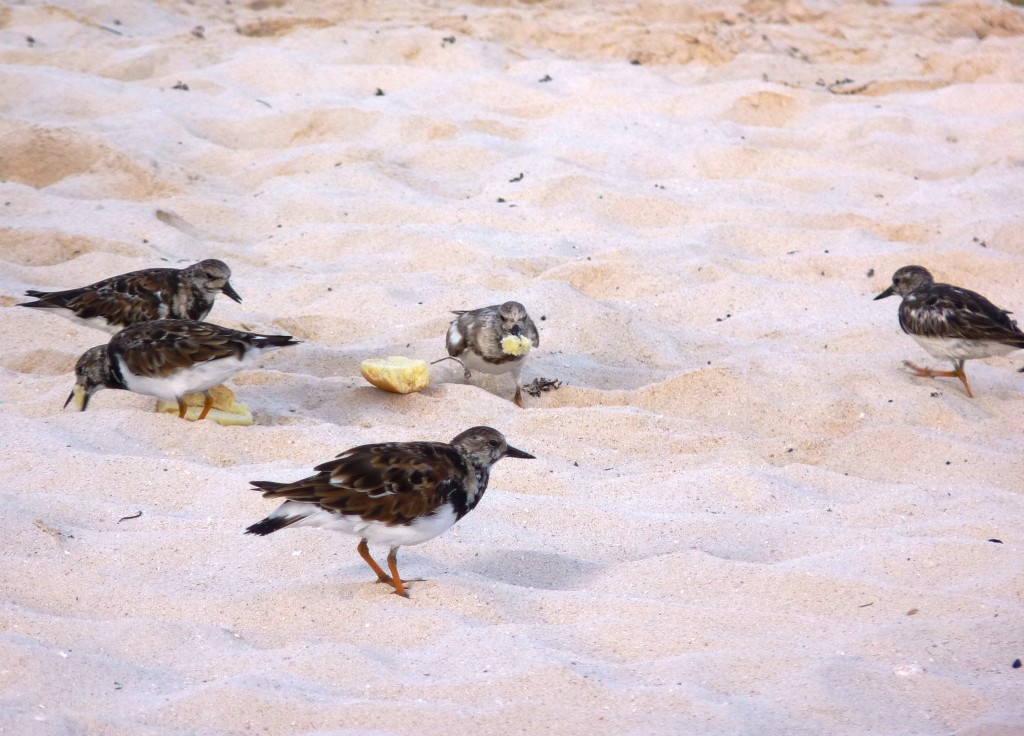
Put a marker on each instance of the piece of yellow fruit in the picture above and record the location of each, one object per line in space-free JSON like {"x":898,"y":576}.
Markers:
{"x":396,"y":374}
{"x":79,"y":397}
{"x":513,"y":345}
{"x":225,"y":411}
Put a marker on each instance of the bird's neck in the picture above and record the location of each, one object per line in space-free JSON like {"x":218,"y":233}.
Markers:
{"x":475,"y":486}
{"x":197,"y":303}
{"x":111,"y":372}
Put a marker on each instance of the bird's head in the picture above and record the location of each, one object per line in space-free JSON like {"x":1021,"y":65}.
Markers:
{"x":484,"y":446}
{"x":213,"y":277}
{"x":907,"y":280}
{"x":513,"y":318}
{"x":92,"y":372}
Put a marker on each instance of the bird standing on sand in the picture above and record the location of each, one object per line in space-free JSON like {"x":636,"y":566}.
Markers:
{"x":141,"y":296}
{"x":168,"y":359}
{"x":493,"y":340}
{"x":394,"y":493}
{"x":951,"y":323}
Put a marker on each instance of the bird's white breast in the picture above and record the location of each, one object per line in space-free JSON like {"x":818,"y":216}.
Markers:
{"x":475,"y":363}
{"x":198,"y":377}
{"x":96,"y":323}
{"x":957,"y":348}
{"x":419,"y":531}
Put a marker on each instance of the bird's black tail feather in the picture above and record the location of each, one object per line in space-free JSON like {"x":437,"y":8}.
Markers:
{"x":277,"y":341}
{"x":271,"y":525}
{"x":266,"y":486}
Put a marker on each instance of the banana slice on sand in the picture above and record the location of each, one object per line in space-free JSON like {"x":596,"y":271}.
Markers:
{"x":225,"y":409}
{"x":396,"y":374}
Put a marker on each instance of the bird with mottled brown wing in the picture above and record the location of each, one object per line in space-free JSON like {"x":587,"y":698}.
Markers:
{"x":164,"y":346}
{"x":493,"y":339}
{"x":390,"y":482}
{"x":122,"y":302}
{"x":950,"y":322}
{"x":141,"y":296}
{"x":170,"y":358}
{"x":946,"y":311}
{"x":393,"y":493}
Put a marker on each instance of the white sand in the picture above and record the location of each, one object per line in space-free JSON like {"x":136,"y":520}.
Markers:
{"x":744,"y":517}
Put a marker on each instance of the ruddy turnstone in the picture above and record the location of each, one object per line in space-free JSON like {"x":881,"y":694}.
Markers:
{"x":394,"y":493}
{"x":168,"y":359}
{"x":493,"y":340}
{"x":141,"y":296}
{"x":951,"y":323}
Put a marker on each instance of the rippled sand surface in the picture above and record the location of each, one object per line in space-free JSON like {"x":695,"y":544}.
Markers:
{"x":744,"y":518}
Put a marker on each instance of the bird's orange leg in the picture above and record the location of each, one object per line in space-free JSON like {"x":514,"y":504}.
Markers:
{"x":182,"y":408}
{"x":958,"y":372}
{"x":207,"y":405}
{"x":518,"y":398}
{"x":364,"y":552}
{"x":393,"y":564}
{"x":962,"y":375}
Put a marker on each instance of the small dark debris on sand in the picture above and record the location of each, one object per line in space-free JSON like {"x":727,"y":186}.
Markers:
{"x":539,"y":385}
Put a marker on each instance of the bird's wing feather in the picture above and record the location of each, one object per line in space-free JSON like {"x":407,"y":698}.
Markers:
{"x":952,"y":312}
{"x":482,"y":330}
{"x":530,"y":332}
{"x":393,"y":482}
{"x":455,"y":341}
{"x":158,"y":348}
{"x":125,"y":299}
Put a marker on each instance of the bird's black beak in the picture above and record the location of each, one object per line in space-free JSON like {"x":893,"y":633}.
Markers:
{"x":884,"y":294}
{"x":516,"y":329}
{"x":80,"y":396}
{"x":230,"y":291}
{"x":513,"y":452}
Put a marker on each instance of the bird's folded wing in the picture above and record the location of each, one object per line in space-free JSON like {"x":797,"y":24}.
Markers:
{"x":391,"y":482}
{"x":959,"y":313}
{"x":158,"y":348}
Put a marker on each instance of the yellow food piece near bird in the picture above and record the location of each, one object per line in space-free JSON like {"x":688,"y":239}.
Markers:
{"x":515,"y":345}
{"x":226,"y":411}
{"x":78,"y":397}
{"x":396,"y":374}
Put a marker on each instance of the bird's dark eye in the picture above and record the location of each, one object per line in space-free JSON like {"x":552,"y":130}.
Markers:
{"x":493,"y":443}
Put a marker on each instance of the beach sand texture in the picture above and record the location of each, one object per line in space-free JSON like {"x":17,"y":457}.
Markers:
{"x":744,"y":518}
